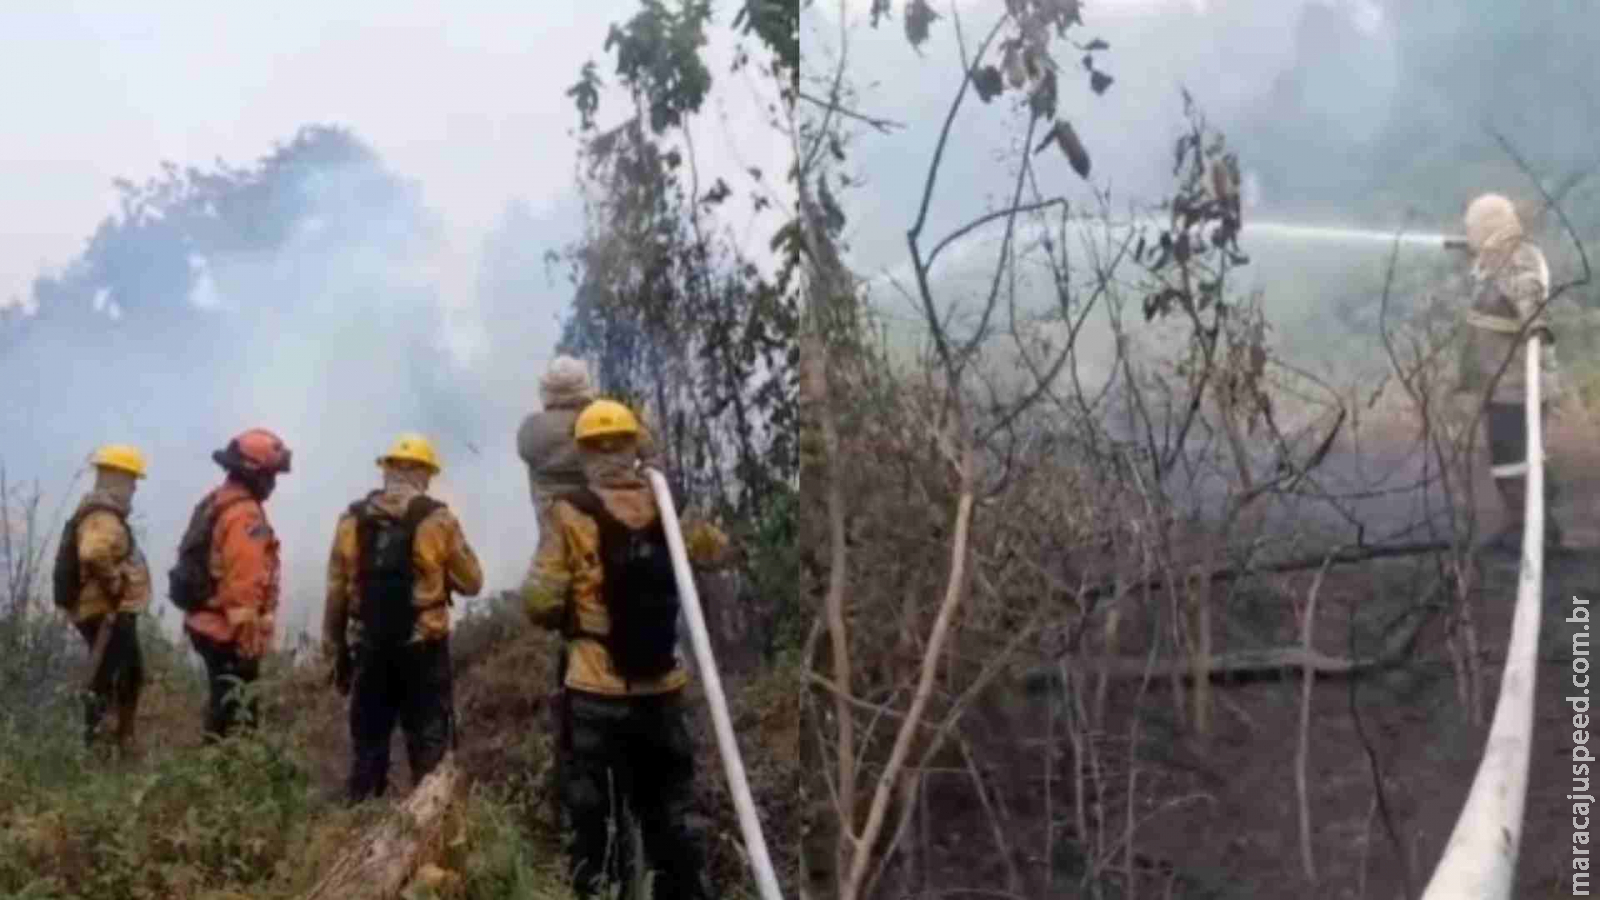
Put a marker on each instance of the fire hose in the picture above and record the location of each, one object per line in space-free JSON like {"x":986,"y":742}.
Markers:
{"x":1480,"y":860}
{"x":727,"y":746}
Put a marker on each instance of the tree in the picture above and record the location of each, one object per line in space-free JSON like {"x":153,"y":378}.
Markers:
{"x":678,"y":321}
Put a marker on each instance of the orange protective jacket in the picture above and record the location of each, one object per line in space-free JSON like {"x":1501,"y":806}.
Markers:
{"x":245,"y":565}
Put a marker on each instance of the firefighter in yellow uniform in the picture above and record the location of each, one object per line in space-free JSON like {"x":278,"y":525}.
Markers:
{"x":603,"y":578}
{"x":103,"y":583}
{"x":398,"y":557}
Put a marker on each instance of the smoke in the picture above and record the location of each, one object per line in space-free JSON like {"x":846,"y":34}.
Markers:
{"x":320,"y":317}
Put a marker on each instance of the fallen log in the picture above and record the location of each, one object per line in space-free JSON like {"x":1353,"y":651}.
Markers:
{"x":1357,"y":554}
{"x":380,"y":864}
{"x":1267,"y":662}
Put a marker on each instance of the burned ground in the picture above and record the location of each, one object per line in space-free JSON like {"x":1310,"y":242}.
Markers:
{"x":1219,"y":818}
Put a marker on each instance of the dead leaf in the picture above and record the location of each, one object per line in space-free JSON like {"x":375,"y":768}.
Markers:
{"x":987,"y":82}
{"x":919,"y":15}
{"x":1067,"y":140}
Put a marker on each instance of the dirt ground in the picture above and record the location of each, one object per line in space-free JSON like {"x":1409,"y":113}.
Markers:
{"x":1220,"y":819}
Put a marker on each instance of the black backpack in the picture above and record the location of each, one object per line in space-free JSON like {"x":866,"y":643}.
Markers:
{"x":640,"y":592}
{"x":189,"y":582}
{"x":68,"y":575}
{"x":384,"y":573}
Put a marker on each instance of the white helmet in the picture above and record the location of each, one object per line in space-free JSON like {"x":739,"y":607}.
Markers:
{"x":1490,"y":219}
{"x":566,"y":383}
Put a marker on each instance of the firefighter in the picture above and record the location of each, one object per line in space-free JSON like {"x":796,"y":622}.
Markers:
{"x":544,"y":440}
{"x":227,"y":576}
{"x":103,"y":583}
{"x":398,"y":557}
{"x":1510,"y":284}
{"x":603,"y":578}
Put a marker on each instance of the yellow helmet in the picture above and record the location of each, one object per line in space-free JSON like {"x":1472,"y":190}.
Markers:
{"x":412,"y":448}
{"x":121,"y":457}
{"x":605,"y":418}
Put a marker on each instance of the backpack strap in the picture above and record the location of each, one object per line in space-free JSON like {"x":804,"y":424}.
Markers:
{"x":586,"y":501}
{"x":417,"y":511}
{"x":214,"y":514}
{"x":421,"y":507}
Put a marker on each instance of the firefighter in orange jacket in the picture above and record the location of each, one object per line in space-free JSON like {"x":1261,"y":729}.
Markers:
{"x":227,"y":577}
{"x":398,"y":555}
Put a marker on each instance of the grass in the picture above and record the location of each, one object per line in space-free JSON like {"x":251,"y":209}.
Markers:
{"x":260,"y":816}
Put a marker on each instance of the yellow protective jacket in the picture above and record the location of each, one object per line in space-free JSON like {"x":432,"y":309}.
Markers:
{"x":112,"y":569}
{"x":441,"y":558}
{"x":567,"y":569}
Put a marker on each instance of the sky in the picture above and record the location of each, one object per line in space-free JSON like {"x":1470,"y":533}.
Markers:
{"x":465,"y":98}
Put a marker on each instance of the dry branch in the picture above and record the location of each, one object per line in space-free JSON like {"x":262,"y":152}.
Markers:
{"x":1352,"y":555}
{"x":1269,"y":662}
{"x":381,"y":863}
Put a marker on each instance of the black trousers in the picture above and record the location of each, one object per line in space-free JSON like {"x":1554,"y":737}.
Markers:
{"x":630,"y":754}
{"x":1508,"y":458}
{"x":410,"y":684}
{"x":227,"y":674}
{"x":121,"y":674}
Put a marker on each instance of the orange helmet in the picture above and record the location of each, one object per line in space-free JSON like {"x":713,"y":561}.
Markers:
{"x":256,"y":451}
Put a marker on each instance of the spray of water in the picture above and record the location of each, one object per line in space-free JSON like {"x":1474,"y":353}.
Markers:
{"x":1330,"y":233}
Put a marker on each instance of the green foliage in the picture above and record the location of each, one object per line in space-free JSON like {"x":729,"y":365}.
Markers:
{"x":684,"y":328}
{"x":773,"y":546}
{"x":777,"y":24}
{"x":495,"y":853}
{"x":658,"y":59}
{"x":231,"y":816}
{"x":143,"y":252}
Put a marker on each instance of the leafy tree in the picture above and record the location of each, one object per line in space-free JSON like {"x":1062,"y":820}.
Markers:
{"x":679,"y":322}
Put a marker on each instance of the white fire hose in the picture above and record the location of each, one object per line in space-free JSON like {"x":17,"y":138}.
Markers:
{"x":1481,"y":858}
{"x":728,"y":748}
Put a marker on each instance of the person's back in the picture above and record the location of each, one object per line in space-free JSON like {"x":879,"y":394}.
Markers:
{"x":622,"y":715}
{"x":544,"y":440}
{"x":398,"y":557}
